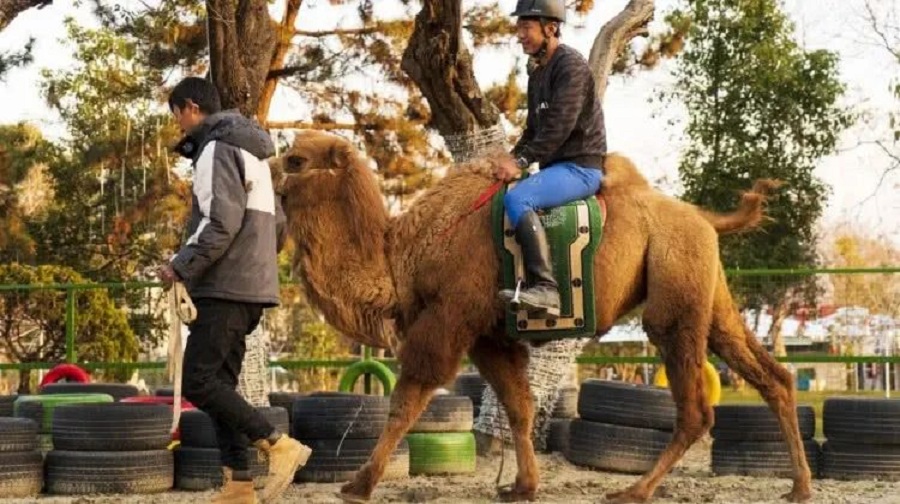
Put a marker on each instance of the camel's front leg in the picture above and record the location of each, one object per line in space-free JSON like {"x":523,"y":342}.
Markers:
{"x":408,"y":401}
{"x":435,"y":344}
{"x":504,"y":367}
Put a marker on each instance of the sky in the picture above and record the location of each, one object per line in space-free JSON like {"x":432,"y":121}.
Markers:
{"x":862,"y":196}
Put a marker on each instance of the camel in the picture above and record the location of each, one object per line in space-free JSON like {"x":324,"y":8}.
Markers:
{"x":438,"y":282}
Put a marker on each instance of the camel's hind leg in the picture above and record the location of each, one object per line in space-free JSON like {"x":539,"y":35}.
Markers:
{"x":504,"y":367}
{"x":738,"y":347}
{"x":429,"y":358}
{"x":684,"y":355}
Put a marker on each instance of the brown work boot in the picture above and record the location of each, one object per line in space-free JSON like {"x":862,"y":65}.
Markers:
{"x":234,"y":492}
{"x":286,"y":455}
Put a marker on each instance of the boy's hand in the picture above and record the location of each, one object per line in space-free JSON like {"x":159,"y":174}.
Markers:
{"x":167,"y":275}
{"x":507,"y":169}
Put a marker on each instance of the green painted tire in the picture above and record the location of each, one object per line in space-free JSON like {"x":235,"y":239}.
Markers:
{"x":382,"y":372}
{"x":441,"y":453}
{"x":40,"y":407}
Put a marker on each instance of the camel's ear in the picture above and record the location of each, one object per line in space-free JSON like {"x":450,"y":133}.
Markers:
{"x":340,"y":154}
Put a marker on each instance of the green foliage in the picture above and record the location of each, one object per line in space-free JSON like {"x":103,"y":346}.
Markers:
{"x":102,"y":331}
{"x":758,"y":106}
{"x":10,"y":60}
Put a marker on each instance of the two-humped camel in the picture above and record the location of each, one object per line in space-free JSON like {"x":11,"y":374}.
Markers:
{"x":359,"y":267}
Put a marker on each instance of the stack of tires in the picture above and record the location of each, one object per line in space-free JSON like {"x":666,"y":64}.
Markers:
{"x":117,"y":391}
{"x":342,"y":429}
{"x":441,"y":441}
{"x":110,"y":448}
{"x":747,"y":441}
{"x":7,"y":405}
{"x":285,"y":400}
{"x":863,"y":439}
{"x":21,"y":464}
{"x":622,"y":427}
{"x":40,"y":408}
{"x":561,"y":421}
{"x":472,"y":386}
{"x":198,"y":461}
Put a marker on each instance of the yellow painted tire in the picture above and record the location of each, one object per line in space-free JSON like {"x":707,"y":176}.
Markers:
{"x":379,"y":370}
{"x":713,"y":385}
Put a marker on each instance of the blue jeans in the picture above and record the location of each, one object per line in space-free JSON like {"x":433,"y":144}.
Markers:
{"x":553,"y":186}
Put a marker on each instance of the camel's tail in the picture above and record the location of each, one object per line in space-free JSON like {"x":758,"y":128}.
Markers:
{"x":749,"y":213}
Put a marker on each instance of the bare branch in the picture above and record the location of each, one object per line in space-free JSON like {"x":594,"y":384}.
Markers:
{"x":611,"y":40}
{"x":330,"y":126}
{"x":282,"y":46}
{"x":9,"y":9}
{"x":892,"y":46}
{"x":328,"y":33}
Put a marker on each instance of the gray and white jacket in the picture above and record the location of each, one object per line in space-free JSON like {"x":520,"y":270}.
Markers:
{"x":231,"y":252}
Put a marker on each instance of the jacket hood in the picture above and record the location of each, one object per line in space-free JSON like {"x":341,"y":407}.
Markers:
{"x":231,"y":127}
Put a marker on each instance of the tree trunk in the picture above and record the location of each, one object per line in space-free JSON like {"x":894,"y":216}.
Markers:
{"x":240,"y":53}
{"x":437,"y":60}
{"x":9,"y":9}
{"x":282,"y":46}
{"x":611,"y":40}
{"x":779,"y":314}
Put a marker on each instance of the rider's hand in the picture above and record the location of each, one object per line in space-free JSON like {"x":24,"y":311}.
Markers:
{"x":167,"y":275}
{"x":507,"y":169}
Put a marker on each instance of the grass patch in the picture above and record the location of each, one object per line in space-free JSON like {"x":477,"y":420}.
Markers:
{"x":816,"y":399}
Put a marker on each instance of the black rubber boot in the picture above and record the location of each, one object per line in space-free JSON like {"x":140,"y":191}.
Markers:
{"x":543,"y":296}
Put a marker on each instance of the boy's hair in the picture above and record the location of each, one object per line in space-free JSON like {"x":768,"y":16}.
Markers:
{"x":200,"y":91}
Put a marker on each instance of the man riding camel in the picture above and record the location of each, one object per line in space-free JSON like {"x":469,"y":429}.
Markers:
{"x":564,"y":134}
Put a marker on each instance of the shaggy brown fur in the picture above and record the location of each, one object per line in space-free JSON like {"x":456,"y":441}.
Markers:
{"x":441,"y":289}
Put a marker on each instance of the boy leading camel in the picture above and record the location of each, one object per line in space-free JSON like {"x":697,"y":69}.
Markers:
{"x":564,"y":134}
{"x":229,"y":266}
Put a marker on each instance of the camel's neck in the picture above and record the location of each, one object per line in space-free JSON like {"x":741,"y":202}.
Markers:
{"x":340,"y":253}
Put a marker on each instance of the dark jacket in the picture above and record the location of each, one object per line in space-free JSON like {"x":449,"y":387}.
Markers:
{"x":231,"y":252}
{"x":565,"y":117}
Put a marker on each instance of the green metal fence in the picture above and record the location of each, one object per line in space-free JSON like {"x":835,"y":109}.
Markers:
{"x":869,"y":296}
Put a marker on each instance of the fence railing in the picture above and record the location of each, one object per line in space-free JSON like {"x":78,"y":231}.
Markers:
{"x":874,"y":294}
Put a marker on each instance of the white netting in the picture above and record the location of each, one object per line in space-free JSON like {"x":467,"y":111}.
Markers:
{"x":253,"y":383}
{"x":466,"y":146}
{"x":550,"y":368}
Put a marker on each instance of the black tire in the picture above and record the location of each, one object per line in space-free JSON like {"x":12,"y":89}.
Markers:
{"x":118,"y":391}
{"x":7,"y":406}
{"x":112,"y":427}
{"x":471,"y":385}
{"x":446,"y":413}
{"x":862,"y":420}
{"x":615,"y":447}
{"x":567,"y":403}
{"x":339,"y":415}
{"x":558,"y":435}
{"x":18,"y":435}
{"x":74,"y":472}
{"x":285,"y":400}
{"x":754,"y":422}
{"x":164,"y":392}
{"x":201,"y":468}
{"x":860,"y":462}
{"x":760,"y":458}
{"x":328,"y":465}
{"x":198,"y":431}
{"x":627,"y":404}
{"x":21,"y":473}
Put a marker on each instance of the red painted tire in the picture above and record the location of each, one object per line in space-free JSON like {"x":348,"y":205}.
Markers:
{"x":69,"y":372}
{"x":169,"y":400}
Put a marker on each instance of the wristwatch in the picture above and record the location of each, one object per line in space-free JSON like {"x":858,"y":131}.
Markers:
{"x":522,"y":162}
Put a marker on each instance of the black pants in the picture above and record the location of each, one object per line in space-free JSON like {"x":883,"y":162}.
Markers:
{"x":212,"y":364}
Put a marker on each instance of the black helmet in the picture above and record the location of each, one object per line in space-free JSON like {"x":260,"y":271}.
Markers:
{"x":550,"y":9}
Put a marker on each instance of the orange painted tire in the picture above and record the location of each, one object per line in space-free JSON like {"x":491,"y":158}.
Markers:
{"x":69,"y":372}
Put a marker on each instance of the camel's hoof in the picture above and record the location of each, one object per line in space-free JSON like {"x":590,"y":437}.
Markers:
{"x":626,"y":496}
{"x":354,"y":499}
{"x":350,"y":493}
{"x":516,"y":495}
{"x":797,"y":495}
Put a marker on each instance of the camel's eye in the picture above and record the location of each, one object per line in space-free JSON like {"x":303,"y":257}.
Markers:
{"x":294,"y":164}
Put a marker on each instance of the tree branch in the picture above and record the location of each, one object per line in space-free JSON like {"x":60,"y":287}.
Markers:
{"x":893,"y":47}
{"x":611,"y":40}
{"x":330,"y":126}
{"x":9,"y":9}
{"x":328,"y":33}
{"x":283,"y":44}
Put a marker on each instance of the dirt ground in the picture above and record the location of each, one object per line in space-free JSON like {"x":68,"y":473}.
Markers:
{"x":561,"y":482}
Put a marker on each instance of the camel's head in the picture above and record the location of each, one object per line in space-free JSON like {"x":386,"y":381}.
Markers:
{"x":315,"y":159}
